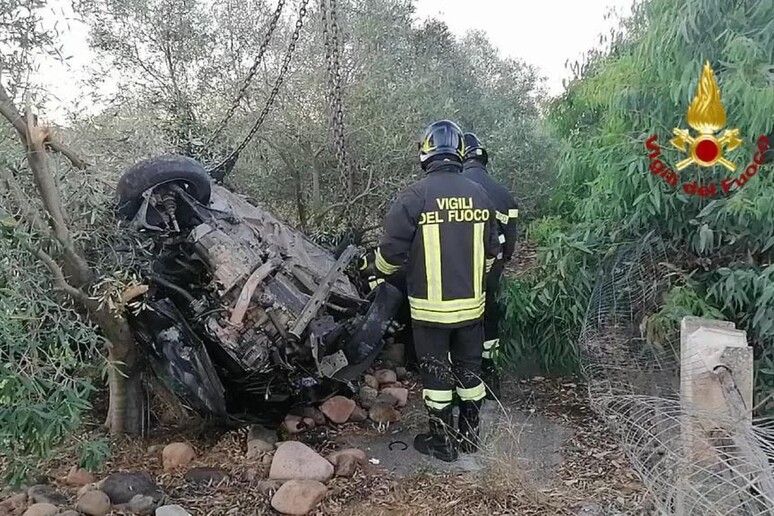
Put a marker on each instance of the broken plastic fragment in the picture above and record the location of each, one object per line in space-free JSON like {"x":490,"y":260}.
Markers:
{"x":375,"y":462}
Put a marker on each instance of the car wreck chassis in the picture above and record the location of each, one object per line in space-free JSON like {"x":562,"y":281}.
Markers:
{"x":242,"y":309}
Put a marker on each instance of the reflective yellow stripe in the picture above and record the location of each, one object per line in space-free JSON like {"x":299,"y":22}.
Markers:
{"x":431,"y":239}
{"x":451,"y":305}
{"x":478,"y":259}
{"x":372,"y":284}
{"x":502,"y":217}
{"x":459,"y":316}
{"x":486,"y":354}
{"x":437,"y":399}
{"x":473,"y":394}
{"x":513,"y":214}
{"x":383,"y":265}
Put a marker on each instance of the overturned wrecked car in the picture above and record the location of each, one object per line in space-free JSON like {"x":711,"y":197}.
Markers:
{"x":242,"y":309}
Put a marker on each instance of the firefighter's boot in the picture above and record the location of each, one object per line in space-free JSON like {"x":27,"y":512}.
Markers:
{"x":468,"y":426}
{"x":491,"y":379}
{"x":440,"y":442}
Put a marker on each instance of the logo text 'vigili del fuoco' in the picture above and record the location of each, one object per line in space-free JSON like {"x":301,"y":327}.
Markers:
{"x":707,"y":117}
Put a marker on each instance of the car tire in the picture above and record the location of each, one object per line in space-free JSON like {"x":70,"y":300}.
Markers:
{"x":157,"y":171}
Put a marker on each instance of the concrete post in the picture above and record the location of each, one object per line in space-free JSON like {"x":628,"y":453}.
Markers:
{"x":705,"y":346}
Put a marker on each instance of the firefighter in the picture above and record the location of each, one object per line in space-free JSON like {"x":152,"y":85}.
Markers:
{"x":443,"y":231}
{"x":507,"y":212}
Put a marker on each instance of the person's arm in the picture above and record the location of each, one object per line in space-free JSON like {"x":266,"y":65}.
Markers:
{"x":492,"y":244}
{"x":399,"y":228}
{"x":511,"y":230}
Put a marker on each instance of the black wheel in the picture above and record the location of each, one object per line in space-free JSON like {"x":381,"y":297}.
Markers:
{"x":157,"y":171}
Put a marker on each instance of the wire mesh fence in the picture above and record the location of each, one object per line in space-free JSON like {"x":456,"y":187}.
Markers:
{"x":682,"y":419}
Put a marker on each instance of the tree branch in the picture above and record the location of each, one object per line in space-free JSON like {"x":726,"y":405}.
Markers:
{"x":36,"y":156}
{"x":10,"y":113}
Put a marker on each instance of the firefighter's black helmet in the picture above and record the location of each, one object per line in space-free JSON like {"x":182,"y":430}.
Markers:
{"x":474,"y":149}
{"x":441,"y":140}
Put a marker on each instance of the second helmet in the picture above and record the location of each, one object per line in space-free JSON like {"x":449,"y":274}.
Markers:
{"x":474,"y":149}
{"x":442,"y":139}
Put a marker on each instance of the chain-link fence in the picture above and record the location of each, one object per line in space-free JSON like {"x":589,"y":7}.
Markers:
{"x":704,"y":458}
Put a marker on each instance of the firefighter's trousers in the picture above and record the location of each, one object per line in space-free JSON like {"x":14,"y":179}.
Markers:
{"x":442,"y":378}
{"x":492,"y":312}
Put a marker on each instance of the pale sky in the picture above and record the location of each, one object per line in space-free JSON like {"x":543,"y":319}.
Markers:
{"x":545,"y":33}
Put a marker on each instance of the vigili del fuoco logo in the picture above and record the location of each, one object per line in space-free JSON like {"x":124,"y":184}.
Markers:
{"x":707,"y":117}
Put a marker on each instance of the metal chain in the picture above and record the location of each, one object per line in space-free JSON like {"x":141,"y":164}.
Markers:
{"x":250,"y":74}
{"x":231,"y":159}
{"x":334,"y":84}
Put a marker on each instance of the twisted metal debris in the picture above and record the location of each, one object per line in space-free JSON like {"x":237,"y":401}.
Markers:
{"x":708,"y":462}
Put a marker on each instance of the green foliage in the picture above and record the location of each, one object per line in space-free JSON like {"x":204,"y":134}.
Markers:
{"x":680,"y":301}
{"x":94,"y":453}
{"x":44,"y":352}
{"x":642,"y":85}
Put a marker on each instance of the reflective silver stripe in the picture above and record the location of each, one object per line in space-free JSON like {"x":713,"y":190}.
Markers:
{"x":383,"y":265}
{"x":513,"y":214}
{"x":501,"y":238}
{"x":437,"y":399}
{"x":473,"y":394}
{"x":491,"y":344}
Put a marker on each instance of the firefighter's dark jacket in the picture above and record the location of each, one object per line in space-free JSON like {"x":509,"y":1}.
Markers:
{"x":443,"y":230}
{"x":504,"y":203}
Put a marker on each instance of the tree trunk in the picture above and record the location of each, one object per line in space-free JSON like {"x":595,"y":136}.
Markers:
{"x":125,"y":413}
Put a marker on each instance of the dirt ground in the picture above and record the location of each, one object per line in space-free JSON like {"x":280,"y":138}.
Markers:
{"x":544,"y":454}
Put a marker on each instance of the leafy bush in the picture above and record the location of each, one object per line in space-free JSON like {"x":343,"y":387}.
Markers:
{"x":45,"y":349}
{"x":606,"y":195}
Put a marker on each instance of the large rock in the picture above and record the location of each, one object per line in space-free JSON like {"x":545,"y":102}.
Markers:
{"x":347,"y":461}
{"x":79,"y":477}
{"x":386,"y":399}
{"x":358,"y":415}
{"x":385,"y":376}
{"x":177,"y":455}
{"x":41,"y":509}
{"x":298,"y":497}
{"x":367,"y":396}
{"x":14,"y":504}
{"x":43,"y":493}
{"x":401,"y":373}
{"x":206,"y":475}
{"x":261,"y":432}
{"x":69,"y":513}
{"x":296,"y":461}
{"x":338,"y":409}
{"x":171,"y":510}
{"x":123,"y":486}
{"x":142,"y":505}
{"x":294,"y":424}
{"x":371,"y":381}
{"x":399,"y":393}
{"x":315,"y":415}
{"x":94,"y":503}
{"x":384,"y":413}
{"x":358,"y":455}
{"x":346,"y":466}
